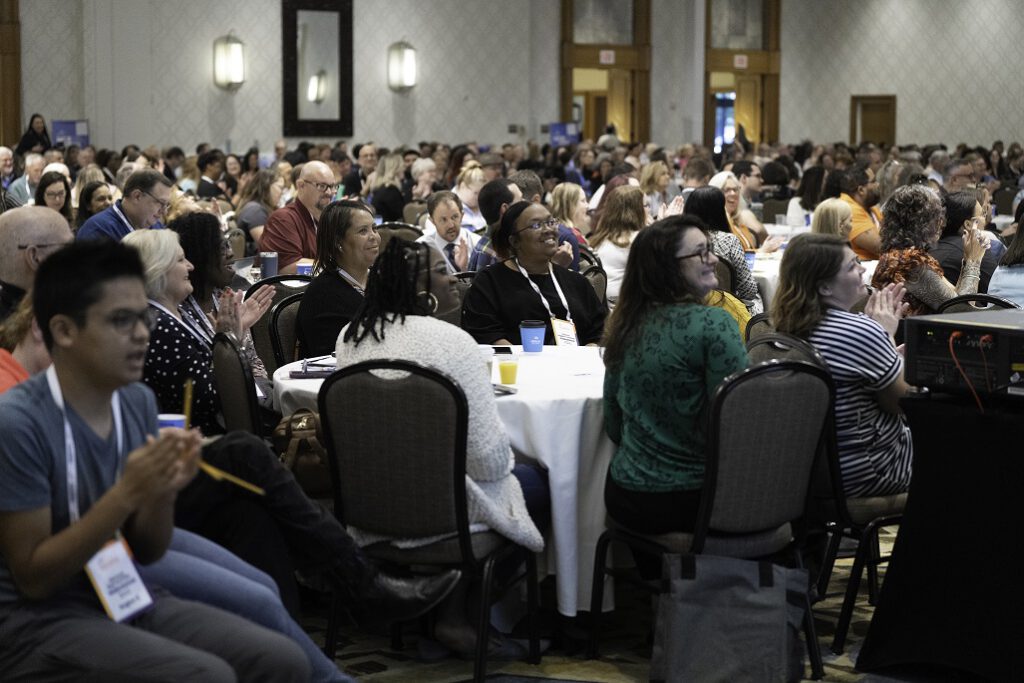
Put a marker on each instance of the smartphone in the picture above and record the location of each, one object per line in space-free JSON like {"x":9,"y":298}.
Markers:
{"x":502,"y":350}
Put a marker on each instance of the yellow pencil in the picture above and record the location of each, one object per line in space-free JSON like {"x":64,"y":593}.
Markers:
{"x":187,"y":409}
{"x":214,"y":472}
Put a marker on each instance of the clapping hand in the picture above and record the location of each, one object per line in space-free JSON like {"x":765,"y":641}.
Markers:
{"x":886,"y":307}
{"x":673,"y":208}
{"x":461,"y":255}
{"x":563,"y":256}
{"x":256,"y":306}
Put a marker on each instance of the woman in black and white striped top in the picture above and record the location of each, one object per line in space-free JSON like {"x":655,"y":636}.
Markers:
{"x":819,"y":281}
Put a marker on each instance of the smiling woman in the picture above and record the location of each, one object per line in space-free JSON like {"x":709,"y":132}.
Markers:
{"x":666,"y":353}
{"x":347,"y":245}
{"x":527,"y":286}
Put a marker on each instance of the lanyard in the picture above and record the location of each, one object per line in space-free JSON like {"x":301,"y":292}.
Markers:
{"x":198,"y":319}
{"x":543,"y":299}
{"x":70,"y":456}
{"x":186,"y":321}
{"x":124,"y":219}
{"x":352,"y":281}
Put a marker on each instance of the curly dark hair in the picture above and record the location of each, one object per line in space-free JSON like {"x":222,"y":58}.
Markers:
{"x":201,"y":239}
{"x":912,"y":217}
{"x":392,"y":290}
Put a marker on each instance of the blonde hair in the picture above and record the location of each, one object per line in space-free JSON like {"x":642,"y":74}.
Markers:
{"x":623,"y":215}
{"x":472,"y":172}
{"x":389,"y":172}
{"x":829,"y":216}
{"x":649,"y":176}
{"x":564,"y":199}
{"x":158,"y":250}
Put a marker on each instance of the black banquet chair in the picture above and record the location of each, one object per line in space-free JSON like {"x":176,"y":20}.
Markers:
{"x":756,"y":481}
{"x":378,"y":488}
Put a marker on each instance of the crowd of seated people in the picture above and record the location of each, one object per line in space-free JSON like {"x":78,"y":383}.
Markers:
{"x":113,"y":325}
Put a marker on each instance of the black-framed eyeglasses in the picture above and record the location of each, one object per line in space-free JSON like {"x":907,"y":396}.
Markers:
{"x":324,"y":187}
{"x":540,"y":225}
{"x":704,"y":254}
{"x":164,"y":205}
{"x":124,"y":322}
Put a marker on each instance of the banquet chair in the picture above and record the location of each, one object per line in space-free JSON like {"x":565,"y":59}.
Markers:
{"x":974,"y":302}
{"x":236,"y":238}
{"x":283,"y":335}
{"x":598,"y":279}
{"x":758,"y":325}
{"x":776,"y":345}
{"x":395,"y":229}
{"x":726,"y":276}
{"x":407,"y":479}
{"x":773,"y":208}
{"x":1002,"y":199}
{"x":235,"y":386}
{"x":588,"y":257}
{"x":756,"y":479}
{"x":859,"y":519}
{"x":284,"y":286}
{"x":413,"y":210}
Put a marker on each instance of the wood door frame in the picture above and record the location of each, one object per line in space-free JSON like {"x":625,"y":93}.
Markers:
{"x":635,"y":58}
{"x":10,"y":74}
{"x":765,"y":63}
{"x":856,"y":100}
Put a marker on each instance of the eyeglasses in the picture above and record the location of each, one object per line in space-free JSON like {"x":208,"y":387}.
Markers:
{"x":164,"y":205}
{"x":540,"y":225}
{"x":60,"y":194}
{"x":324,"y":187}
{"x":704,"y":254}
{"x":124,"y":322}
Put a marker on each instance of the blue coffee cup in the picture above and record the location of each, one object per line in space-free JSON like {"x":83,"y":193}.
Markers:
{"x":268,"y":264}
{"x":532,"y":334}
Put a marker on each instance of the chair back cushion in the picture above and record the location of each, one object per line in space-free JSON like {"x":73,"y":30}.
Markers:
{"x":235,"y":386}
{"x":284,"y":286}
{"x":598,"y":279}
{"x":283,"y":331}
{"x":772,"y":345}
{"x":396,"y":440}
{"x":767,"y":426}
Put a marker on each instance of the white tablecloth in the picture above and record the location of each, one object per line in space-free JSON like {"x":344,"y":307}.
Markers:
{"x":766,"y":273}
{"x":556,"y":418}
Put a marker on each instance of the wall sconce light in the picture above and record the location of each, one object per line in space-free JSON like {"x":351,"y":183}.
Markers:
{"x":228,"y":62}
{"x":317,"y":89}
{"x":401,"y":66}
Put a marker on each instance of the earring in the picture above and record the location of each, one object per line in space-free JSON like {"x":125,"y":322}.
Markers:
{"x":428,"y":301}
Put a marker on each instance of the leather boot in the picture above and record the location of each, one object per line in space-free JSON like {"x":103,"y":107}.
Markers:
{"x":388,"y":598}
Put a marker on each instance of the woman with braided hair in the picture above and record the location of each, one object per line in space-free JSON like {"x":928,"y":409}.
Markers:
{"x":407,"y":285}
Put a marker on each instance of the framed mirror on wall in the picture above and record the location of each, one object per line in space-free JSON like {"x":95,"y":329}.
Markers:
{"x":316,"y":51}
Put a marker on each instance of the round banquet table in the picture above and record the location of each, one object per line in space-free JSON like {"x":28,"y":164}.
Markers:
{"x":557,"y":418}
{"x":766,"y":274}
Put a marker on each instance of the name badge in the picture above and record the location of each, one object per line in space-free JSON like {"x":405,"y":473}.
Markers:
{"x":117,"y":581}
{"x":565,"y":332}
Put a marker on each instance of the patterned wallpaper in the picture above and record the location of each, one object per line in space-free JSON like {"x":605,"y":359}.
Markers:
{"x":51,"y":58}
{"x":677,"y":71}
{"x":953,"y":66}
{"x":141,"y":70}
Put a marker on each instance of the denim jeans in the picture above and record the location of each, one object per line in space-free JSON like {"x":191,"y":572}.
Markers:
{"x":197,"y":569}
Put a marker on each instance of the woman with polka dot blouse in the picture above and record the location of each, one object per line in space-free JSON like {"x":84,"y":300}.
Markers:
{"x":179,"y":347}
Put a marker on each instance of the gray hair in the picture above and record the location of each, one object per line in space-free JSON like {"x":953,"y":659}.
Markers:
{"x":421,"y":166}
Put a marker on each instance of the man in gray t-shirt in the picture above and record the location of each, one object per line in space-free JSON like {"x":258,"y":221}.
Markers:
{"x":81,"y":467}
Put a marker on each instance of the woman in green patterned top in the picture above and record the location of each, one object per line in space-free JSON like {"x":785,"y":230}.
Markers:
{"x":666,"y":352}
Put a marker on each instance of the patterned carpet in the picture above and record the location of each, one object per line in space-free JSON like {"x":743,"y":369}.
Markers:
{"x":625,"y":646}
